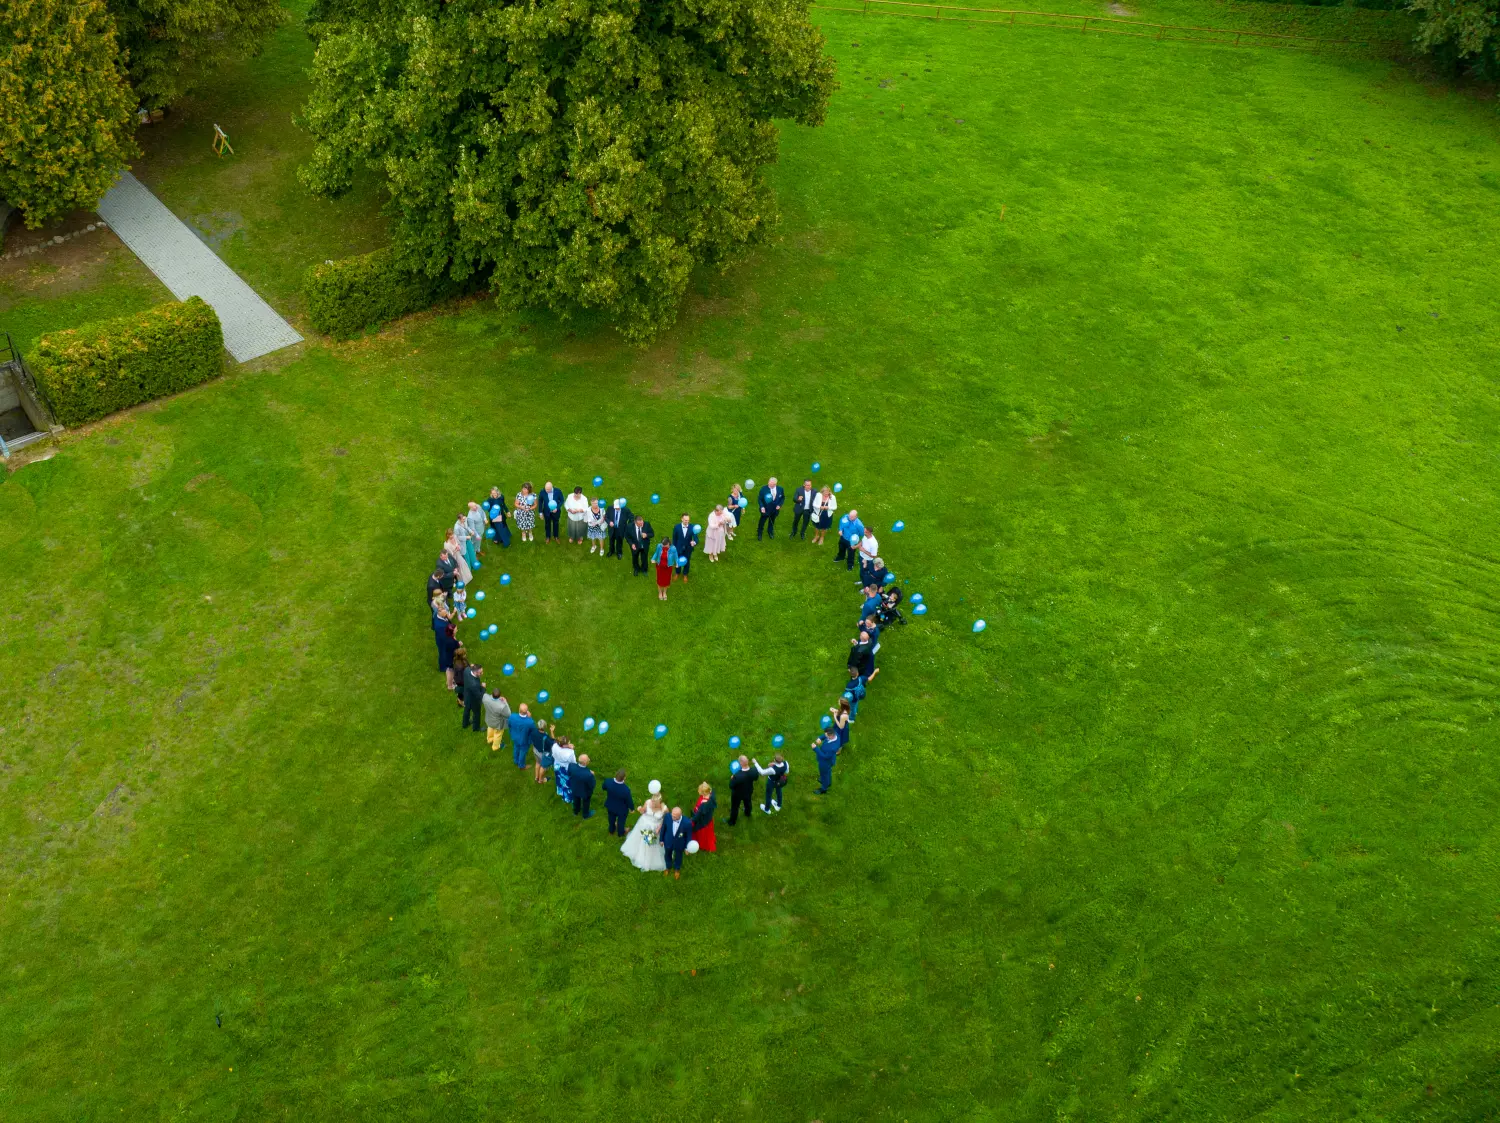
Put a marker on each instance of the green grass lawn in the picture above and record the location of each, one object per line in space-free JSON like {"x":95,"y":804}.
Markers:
{"x":1201,"y":827}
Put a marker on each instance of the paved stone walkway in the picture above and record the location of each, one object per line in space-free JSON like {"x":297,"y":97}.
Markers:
{"x":189,"y":268}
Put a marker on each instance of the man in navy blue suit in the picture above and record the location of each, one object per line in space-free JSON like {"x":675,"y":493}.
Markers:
{"x":676,"y":833}
{"x":617,"y":803}
{"x":771,"y":499}
{"x":581,"y":784}
{"x":802,"y":508}
{"x":552,"y":500}
{"x":685,"y":541}
{"x":617,"y":519}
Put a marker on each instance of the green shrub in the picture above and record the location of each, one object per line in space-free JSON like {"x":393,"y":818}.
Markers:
{"x":94,"y":370}
{"x":347,"y":296}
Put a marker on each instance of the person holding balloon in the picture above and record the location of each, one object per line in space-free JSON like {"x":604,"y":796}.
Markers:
{"x":736,"y":504}
{"x":827,"y":749}
{"x":703,"y":818}
{"x":842,"y":716}
{"x":477,"y":526}
{"x":719,"y":522}
{"x":684,"y":541}
{"x":676,"y":837}
{"x":498,"y":513}
{"x":851,"y":530}
{"x":578,"y":517}
{"x":776,"y":776}
{"x":552,"y":508}
{"x":741,"y":789}
{"x":665,"y":558}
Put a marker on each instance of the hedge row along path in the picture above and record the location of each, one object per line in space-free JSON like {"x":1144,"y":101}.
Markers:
{"x":187,"y":267}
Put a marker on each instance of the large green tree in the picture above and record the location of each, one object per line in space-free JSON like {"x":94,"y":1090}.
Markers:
{"x":1464,"y":33}
{"x":172,"y":45}
{"x":583,"y":153}
{"x":68,"y":115}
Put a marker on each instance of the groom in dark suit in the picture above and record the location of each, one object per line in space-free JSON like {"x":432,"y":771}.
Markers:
{"x":551,"y":502}
{"x":802,"y":508}
{"x":581,"y":784}
{"x":638,"y":537}
{"x":618,"y":518}
{"x":771,"y":499}
{"x":617,"y":803}
{"x":676,"y":833}
{"x":684,"y":540}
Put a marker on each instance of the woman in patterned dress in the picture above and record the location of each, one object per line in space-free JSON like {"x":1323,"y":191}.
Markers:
{"x":597,"y":528}
{"x":525,"y":511}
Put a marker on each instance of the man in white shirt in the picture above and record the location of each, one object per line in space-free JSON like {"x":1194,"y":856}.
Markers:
{"x":869,"y":550}
{"x":802,"y":509}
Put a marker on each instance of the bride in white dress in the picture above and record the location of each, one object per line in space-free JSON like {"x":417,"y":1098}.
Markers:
{"x":647,"y":853}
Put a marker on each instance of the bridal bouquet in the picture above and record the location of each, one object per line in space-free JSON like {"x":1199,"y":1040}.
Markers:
{"x":650,"y":837}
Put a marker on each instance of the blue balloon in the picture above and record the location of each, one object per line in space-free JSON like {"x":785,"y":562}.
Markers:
{"x":920,"y":610}
{"x":479,"y":595}
{"x":889,"y":577}
{"x":484,"y":635}
{"x":552,"y":504}
{"x":557,"y":712}
{"x":531,"y":660}
{"x":505,"y":579}
{"x":749,"y":483}
{"x":598,"y":480}
{"x":777,"y":741}
{"x":542,"y":695}
{"x":621,"y":501}
{"x":734,"y":742}
{"x":916,"y":598}
{"x":471,"y":614}
{"x":697,"y":528}
{"x":655,"y":498}
{"x":979,"y":625}
{"x":494,"y":628}
{"x":899,"y":526}
{"x":854,"y":540}
{"x":479,"y":565}
{"x":661,"y":731}
{"x":846,"y":696}
{"x":817,"y":467}
{"x":603,"y":728}
{"x":507,"y":670}
{"x":588,"y":723}
{"x":489,"y":532}
{"x":744,"y":502}
{"x":826,"y":721}
{"x":838,"y":487}
{"x":734,"y":766}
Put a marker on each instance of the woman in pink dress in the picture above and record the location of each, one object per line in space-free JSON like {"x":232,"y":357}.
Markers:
{"x":716,"y":538}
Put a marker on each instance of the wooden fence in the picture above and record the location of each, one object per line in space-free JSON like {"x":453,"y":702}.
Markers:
{"x":1106,"y":25}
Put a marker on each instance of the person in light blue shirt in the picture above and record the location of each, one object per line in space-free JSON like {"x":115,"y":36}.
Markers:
{"x":849,"y":526}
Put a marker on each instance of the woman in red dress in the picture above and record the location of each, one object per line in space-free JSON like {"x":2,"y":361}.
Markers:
{"x":703,"y":818}
{"x":663,"y":568}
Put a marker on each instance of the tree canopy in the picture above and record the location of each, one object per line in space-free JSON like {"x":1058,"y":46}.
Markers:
{"x":67,"y":126}
{"x":582,"y":153}
{"x":1464,"y":33}
{"x":173,"y":44}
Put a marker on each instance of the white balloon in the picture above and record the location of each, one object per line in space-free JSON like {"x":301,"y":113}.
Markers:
{"x":654,"y":787}
{"x":692,"y":846}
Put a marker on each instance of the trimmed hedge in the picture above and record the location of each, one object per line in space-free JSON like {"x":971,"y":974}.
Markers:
{"x":347,"y":296}
{"x":94,"y":370}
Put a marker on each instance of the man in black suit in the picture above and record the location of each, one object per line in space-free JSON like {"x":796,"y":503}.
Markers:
{"x":618,"y":519}
{"x":581,"y":784}
{"x":741,"y":790}
{"x":473,"y":689}
{"x":552,"y":501}
{"x":676,"y":833}
{"x":638,"y":537}
{"x":684,"y":540}
{"x":617,"y":803}
{"x":434,"y":583}
{"x":802,"y":509}
{"x":771,"y":499}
